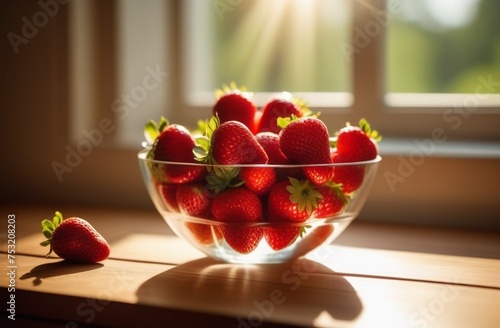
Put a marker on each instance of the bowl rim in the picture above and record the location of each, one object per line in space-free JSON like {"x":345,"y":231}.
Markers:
{"x":141,"y":155}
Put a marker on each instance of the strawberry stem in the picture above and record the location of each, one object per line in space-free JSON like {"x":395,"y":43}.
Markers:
{"x":48,"y":228}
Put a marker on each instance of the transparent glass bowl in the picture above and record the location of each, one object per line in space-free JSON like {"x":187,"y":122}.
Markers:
{"x":162,"y":180}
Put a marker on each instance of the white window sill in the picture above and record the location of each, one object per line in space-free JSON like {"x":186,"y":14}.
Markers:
{"x":446,"y":149}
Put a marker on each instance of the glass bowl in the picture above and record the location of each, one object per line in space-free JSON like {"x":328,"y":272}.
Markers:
{"x":263,"y":241}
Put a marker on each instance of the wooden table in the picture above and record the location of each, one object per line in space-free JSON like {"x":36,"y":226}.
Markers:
{"x":374,"y":275}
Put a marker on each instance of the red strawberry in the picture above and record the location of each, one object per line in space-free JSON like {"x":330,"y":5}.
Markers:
{"x":279,"y":237}
{"x":233,"y":143}
{"x":271,"y":143}
{"x":234,"y":104}
{"x":293,"y":200}
{"x":256,"y":120}
{"x":239,"y":205}
{"x":74,"y":239}
{"x":259,"y":180}
{"x":357,"y":143}
{"x":193,"y":200}
{"x":168,"y":195}
{"x":205,"y":234}
{"x":306,"y":141}
{"x":173,"y":143}
{"x":283,"y":106}
{"x":350,"y":177}
{"x":332,"y":202}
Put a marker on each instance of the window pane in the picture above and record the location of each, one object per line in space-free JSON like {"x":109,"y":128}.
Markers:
{"x":443,"y":46}
{"x":269,"y":46}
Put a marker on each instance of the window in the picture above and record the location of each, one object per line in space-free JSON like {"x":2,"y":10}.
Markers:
{"x":368,"y":58}
{"x":443,"y":46}
{"x":388,"y":61}
{"x":403,"y":64}
{"x":271,"y":46}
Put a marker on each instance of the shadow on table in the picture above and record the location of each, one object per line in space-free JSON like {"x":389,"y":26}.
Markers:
{"x":54,"y":269}
{"x":301,"y":292}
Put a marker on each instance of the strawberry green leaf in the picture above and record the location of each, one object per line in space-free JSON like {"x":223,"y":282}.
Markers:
{"x":162,"y":124}
{"x":48,"y":228}
{"x":45,"y":243}
{"x":221,"y":178}
{"x":303,"y":107}
{"x":48,"y":225}
{"x":201,"y":149}
{"x":203,"y":143}
{"x":47,"y":234}
{"x":153,"y":129}
{"x":333,"y":141}
{"x":303,"y":230}
{"x":212,"y":125}
{"x":303,"y":193}
{"x":202,"y":125}
{"x":283,"y":122}
{"x":231,"y":88}
{"x":150,"y":132}
{"x":58,"y":218}
{"x":337,"y":188}
{"x":365,"y":126}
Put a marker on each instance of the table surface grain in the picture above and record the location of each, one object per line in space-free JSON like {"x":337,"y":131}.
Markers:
{"x":374,"y":275}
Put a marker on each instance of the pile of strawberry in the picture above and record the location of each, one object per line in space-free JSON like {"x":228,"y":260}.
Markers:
{"x":241,"y":183}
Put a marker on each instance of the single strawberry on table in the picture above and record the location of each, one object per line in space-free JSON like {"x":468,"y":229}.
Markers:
{"x":306,"y":141}
{"x":74,"y":239}
{"x":235,"y":104}
{"x":237,"y":207}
